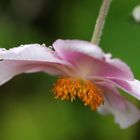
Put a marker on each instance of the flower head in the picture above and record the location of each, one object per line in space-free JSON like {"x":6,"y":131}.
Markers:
{"x":84,"y":71}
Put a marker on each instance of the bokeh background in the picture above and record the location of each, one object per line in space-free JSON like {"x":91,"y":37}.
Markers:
{"x":28,"y":110}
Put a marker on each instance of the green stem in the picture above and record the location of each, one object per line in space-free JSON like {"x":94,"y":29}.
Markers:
{"x":100,"y":22}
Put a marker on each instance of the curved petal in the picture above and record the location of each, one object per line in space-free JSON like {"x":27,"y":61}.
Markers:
{"x":130,"y":86}
{"x":31,"y":52}
{"x":88,"y":66}
{"x":84,"y":54}
{"x":62,"y":46}
{"x":30,"y":58}
{"x":118,"y":64}
{"x":9,"y":69}
{"x":125,"y":113}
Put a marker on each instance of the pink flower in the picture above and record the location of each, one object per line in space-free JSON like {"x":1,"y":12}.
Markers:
{"x":85,"y":71}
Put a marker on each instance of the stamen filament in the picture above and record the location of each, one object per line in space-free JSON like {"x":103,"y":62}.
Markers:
{"x":67,"y":88}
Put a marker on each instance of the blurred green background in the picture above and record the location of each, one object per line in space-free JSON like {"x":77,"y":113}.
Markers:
{"x":28,"y":110}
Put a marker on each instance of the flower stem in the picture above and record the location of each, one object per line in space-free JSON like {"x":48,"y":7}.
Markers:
{"x":100,"y":22}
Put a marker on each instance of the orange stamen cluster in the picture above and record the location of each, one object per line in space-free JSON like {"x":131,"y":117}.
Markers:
{"x":67,"y":88}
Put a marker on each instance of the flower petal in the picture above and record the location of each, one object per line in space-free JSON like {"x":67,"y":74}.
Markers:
{"x":119,"y":64}
{"x":125,"y":113}
{"x":62,"y":46}
{"x":33,"y":52}
{"x":88,"y":66}
{"x":11,"y":68}
{"x":30,"y":58}
{"x":85,"y":54}
{"x":130,"y":86}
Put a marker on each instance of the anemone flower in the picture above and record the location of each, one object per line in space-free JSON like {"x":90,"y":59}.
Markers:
{"x":84,"y":71}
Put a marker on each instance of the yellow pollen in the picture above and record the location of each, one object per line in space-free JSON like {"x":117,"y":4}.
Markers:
{"x":67,"y":88}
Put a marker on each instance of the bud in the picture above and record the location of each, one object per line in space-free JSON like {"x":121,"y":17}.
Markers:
{"x":136,"y":14}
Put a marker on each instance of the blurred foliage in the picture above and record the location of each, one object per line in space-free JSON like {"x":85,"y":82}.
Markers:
{"x":28,"y":110}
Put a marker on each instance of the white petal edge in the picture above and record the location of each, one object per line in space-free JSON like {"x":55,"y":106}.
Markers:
{"x":35,"y":52}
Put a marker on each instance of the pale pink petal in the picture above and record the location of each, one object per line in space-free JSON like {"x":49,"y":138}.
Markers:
{"x":88,"y":66}
{"x":113,"y":68}
{"x":30,"y":58}
{"x":62,"y":46}
{"x":130,"y":86}
{"x":119,"y":64}
{"x":9,"y":69}
{"x":84,"y":54}
{"x":125,"y":113}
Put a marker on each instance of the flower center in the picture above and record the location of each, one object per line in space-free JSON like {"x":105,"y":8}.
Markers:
{"x":67,"y":88}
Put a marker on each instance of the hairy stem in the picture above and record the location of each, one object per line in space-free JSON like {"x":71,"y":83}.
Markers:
{"x":100,"y":22}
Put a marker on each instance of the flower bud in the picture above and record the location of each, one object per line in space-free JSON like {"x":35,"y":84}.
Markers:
{"x":136,"y":14}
